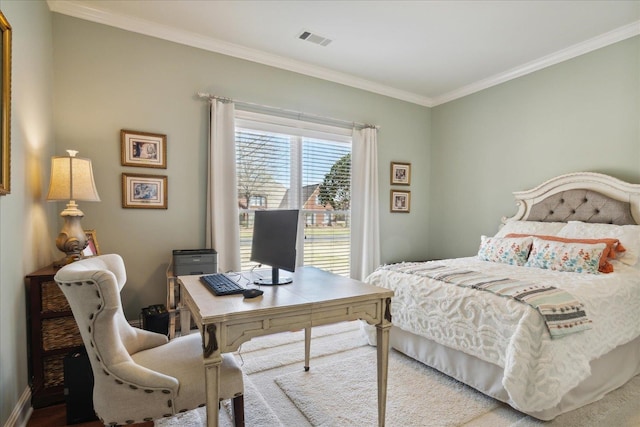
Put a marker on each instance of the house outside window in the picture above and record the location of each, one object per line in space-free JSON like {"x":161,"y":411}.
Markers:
{"x":257,"y":202}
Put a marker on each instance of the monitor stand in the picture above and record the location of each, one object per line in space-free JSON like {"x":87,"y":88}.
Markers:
{"x":274,"y":280}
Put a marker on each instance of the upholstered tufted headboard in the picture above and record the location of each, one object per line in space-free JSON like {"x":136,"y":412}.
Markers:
{"x":582,"y":196}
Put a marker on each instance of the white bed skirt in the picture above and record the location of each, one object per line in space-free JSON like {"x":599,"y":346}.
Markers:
{"x":608,"y":372}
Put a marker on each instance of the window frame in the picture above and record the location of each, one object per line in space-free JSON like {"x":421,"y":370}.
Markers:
{"x":299,"y":129}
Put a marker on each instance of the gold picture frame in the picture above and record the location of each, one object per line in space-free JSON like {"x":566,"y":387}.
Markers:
{"x":400,"y":201}
{"x":400,"y":173}
{"x":144,"y":191}
{"x":92,"y":248}
{"x":5,"y":113}
{"x":143,"y":149}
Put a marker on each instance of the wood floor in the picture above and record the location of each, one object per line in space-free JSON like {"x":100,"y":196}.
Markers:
{"x":56,"y":416}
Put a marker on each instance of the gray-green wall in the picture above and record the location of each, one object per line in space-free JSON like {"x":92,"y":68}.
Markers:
{"x":27,"y":223}
{"x":76,"y":84}
{"x":106,"y":79}
{"x":579,"y":115}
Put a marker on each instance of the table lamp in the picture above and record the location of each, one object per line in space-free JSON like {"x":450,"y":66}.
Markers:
{"x":71,"y":179}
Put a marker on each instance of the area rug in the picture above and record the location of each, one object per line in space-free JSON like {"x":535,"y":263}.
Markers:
{"x":345,"y":394}
{"x":340,"y":390}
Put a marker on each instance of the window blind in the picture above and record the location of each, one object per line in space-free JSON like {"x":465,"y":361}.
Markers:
{"x":279,"y":170}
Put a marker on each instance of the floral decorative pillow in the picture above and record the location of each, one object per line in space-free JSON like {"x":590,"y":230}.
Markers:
{"x":561,"y":256}
{"x":613,"y":249}
{"x":514,"y":251}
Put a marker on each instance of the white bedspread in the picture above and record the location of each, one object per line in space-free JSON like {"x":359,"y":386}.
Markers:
{"x":538,"y":371}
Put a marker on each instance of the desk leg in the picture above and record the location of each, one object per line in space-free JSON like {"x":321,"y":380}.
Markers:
{"x":185,"y":320}
{"x":212,"y":362}
{"x":307,"y":347}
{"x":382,"y":332}
{"x":212,"y":377}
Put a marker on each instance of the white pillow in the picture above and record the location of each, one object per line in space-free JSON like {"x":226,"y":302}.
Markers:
{"x":531,"y":227}
{"x":629,"y":236}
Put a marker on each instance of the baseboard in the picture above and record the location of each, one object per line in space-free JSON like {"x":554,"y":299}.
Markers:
{"x":22,"y":411}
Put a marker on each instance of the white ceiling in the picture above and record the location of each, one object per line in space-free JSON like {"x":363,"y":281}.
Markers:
{"x":425,"y":52}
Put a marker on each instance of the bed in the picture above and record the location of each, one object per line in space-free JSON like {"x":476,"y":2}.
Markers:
{"x":509,"y":347}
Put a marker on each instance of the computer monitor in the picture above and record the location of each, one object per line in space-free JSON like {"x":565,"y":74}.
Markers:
{"x":274,"y":243}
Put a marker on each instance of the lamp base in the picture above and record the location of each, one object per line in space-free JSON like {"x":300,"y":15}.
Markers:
{"x":68,"y":259}
{"x":72,"y":239}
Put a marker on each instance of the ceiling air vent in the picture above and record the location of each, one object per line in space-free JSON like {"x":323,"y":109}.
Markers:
{"x":314,"y":38}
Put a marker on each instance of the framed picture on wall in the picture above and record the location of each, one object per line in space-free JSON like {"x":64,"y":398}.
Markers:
{"x":144,"y":191}
{"x":400,"y":173}
{"x":92,"y":248}
{"x":143,"y":149}
{"x":5,"y":108}
{"x":400,"y":201}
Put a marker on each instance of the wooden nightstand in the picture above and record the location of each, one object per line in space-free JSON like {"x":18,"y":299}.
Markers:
{"x":53,"y":333}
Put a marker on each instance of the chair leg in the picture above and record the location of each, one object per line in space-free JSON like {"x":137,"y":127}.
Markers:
{"x":238,"y":410}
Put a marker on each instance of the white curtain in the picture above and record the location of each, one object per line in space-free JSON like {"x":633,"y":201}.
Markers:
{"x":222,"y":227}
{"x":365,"y":220}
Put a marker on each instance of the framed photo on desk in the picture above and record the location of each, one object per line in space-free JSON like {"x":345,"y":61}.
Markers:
{"x":92,"y":248}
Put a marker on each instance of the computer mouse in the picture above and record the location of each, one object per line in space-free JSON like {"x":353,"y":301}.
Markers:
{"x":252,"y":293}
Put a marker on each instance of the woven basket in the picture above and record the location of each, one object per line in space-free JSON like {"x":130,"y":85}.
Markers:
{"x":61,"y":332}
{"x":54,"y":370}
{"x":52,"y":298}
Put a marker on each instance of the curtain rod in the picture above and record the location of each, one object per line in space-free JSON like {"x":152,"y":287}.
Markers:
{"x":243,"y":105}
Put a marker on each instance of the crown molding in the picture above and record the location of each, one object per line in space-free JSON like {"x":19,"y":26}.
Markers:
{"x":85,"y":11}
{"x":578,"y":49}
{"x":141,"y":26}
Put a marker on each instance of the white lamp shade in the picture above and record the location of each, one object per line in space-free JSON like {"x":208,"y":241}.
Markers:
{"x":72,"y":179}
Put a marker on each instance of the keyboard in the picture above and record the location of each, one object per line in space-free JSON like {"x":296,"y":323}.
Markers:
{"x":220,"y":284}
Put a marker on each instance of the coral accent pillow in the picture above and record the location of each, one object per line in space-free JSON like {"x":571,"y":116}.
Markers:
{"x":613,"y":247}
{"x":570,"y":257}
{"x":629,"y":236}
{"x":514,"y":251}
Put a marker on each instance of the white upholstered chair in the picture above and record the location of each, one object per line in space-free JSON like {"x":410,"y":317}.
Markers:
{"x":138,"y":375}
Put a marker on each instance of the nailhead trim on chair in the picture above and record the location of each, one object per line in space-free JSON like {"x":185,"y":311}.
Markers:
{"x":104,"y":370}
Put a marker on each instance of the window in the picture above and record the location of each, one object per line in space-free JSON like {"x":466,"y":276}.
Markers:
{"x":282,"y":167}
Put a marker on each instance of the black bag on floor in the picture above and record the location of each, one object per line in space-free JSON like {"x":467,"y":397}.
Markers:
{"x":155,"y":318}
{"x":78,"y":387}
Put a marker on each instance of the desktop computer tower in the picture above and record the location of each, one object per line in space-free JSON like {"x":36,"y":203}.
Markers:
{"x":78,"y":387}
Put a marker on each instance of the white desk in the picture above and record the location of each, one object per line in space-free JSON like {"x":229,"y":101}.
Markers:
{"x":314,"y":298}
